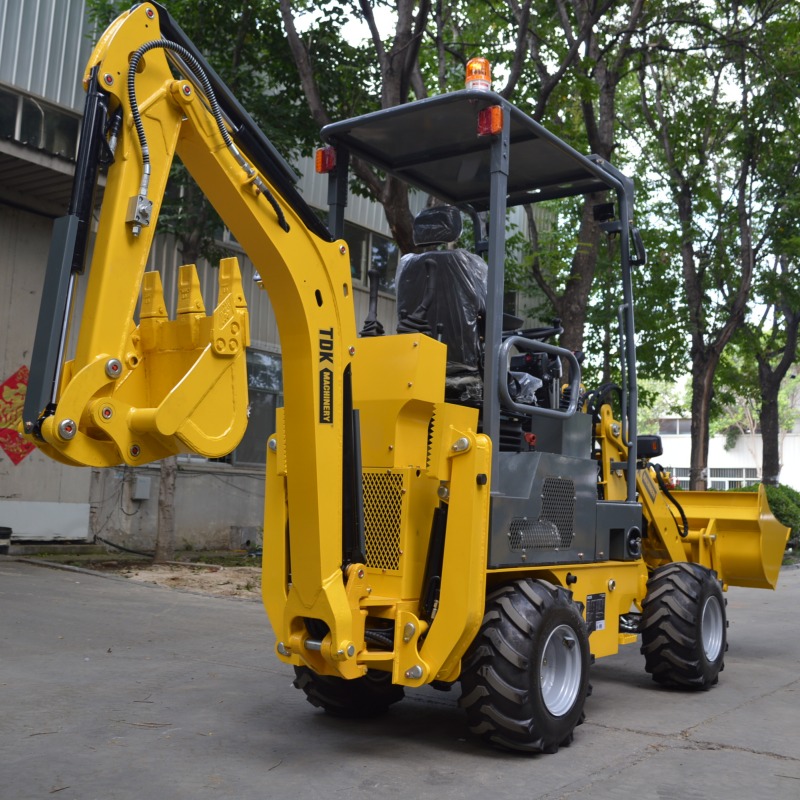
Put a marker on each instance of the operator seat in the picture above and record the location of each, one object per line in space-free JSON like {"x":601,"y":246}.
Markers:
{"x":443,"y":293}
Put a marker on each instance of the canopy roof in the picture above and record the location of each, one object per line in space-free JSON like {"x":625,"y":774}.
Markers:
{"x":433,"y":144}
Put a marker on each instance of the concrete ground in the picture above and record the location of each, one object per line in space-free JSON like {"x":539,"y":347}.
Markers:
{"x":111,"y":690}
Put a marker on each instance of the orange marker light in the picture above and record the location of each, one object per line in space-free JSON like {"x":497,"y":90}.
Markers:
{"x":479,"y":74}
{"x":490,"y":121}
{"x":325,"y":159}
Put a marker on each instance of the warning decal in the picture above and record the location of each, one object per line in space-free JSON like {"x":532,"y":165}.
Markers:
{"x":596,"y":612}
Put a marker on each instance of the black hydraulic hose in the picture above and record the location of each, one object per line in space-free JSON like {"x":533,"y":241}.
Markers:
{"x":372,"y":326}
{"x":597,"y":397}
{"x":199,"y":73}
{"x":664,"y":488}
{"x":379,"y":637}
{"x":123,"y":549}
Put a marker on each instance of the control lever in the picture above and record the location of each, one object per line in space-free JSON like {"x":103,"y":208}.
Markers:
{"x":372,"y":327}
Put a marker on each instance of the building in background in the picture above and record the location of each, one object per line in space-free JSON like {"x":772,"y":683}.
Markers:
{"x":727,"y":469}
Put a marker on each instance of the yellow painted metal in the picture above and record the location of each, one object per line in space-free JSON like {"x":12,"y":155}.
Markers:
{"x":139,"y":393}
{"x":619,"y":585}
{"x":397,"y":381}
{"x":316,"y":319}
{"x":154,"y":404}
{"x":661,"y":543}
{"x":733,"y":533}
{"x":463,"y":590}
{"x":180,"y":384}
{"x":418,"y":452}
{"x":613,"y":454}
{"x":736,"y":534}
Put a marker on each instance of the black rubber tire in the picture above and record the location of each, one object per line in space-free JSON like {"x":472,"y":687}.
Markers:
{"x":509,"y":691}
{"x":360,"y":698}
{"x":684,"y":627}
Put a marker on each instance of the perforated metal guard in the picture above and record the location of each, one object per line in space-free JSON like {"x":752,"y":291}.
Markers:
{"x":383,"y":505}
{"x":529,"y":534}
{"x":555,"y":527}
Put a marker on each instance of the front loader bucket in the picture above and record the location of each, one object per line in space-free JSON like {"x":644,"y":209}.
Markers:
{"x":738,"y":533}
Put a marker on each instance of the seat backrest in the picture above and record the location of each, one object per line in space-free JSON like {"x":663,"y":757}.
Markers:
{"x":443,"y":292}
{"x":457,"y":306}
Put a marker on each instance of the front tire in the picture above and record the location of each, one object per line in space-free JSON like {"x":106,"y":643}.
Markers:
{"x":360,"y":698}
{"x":684,"y":626}
{"x":526,"y":676}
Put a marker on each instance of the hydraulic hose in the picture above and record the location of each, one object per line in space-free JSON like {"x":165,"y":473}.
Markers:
{"x":664,"y":488}
{"x":199,"y":73}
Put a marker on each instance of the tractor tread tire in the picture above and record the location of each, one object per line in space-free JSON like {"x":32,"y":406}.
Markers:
{"x":500,"y":676}
{"x":672,"y":626}
{"x":361,"y":698}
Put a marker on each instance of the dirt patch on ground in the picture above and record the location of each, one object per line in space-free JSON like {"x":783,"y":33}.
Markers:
{"x":224,"y":574}
{"x":207,"y":578}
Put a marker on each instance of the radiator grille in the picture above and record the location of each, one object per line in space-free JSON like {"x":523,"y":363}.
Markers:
{"x":383,"y":505}
{"x":555,"y":527}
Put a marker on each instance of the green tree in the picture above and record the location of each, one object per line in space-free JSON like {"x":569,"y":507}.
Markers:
{"x":580,"y":53}
{"x":709,"y":106}
{"x":755,"y":392}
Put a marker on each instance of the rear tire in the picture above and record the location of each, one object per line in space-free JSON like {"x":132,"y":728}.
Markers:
{"x":684,"y":626}
{"x":361,"y":698}
{"x":526,"y":676}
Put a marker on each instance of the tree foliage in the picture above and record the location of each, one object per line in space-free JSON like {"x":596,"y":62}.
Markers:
{"x":710,"y":114}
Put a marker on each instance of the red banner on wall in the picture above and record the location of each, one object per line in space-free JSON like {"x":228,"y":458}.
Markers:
{"x":12,"y":397}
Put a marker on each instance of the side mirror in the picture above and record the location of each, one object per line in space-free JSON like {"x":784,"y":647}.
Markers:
{"x":639,"y":256}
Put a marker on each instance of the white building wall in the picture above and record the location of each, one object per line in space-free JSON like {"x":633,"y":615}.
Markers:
{"x":38,"y":496}
{"x":745,"y":455}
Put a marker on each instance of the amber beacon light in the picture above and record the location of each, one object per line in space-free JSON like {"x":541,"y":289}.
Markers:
{"x":479,"y":74}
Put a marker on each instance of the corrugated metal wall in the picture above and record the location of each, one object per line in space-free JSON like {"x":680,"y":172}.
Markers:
{"x":44,"y":47}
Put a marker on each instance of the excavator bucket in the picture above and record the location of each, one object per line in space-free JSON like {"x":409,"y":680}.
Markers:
{"x":736,"y":534}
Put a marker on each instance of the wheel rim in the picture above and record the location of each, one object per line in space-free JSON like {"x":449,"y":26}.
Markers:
{"x":713,"y":627}
{"x":560,"y":670}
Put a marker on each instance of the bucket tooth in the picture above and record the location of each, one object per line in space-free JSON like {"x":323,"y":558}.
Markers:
{"x":190,"y":298}
{"x":153,"y":315}
{"x":230,"y":282}
{"x":153,"y":305}
{"x":230,"y":330}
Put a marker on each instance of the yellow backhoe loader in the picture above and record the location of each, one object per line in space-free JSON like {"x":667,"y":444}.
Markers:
{"x":445,"y":504}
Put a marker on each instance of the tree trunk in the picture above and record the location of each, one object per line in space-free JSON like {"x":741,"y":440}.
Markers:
{"x":165,"y":532}
{"x":704,"y":363}
{"x":398,"y":214}
{"x":770,"y":435}
{"x":572,"y":304}
{"x":770,"y":380}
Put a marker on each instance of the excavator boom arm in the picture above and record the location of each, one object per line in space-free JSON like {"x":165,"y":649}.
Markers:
{"x":142,"y":385}
{"x":122,"y":395}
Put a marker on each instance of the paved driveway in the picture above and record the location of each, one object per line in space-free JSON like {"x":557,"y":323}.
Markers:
{"x":116,"y":691}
